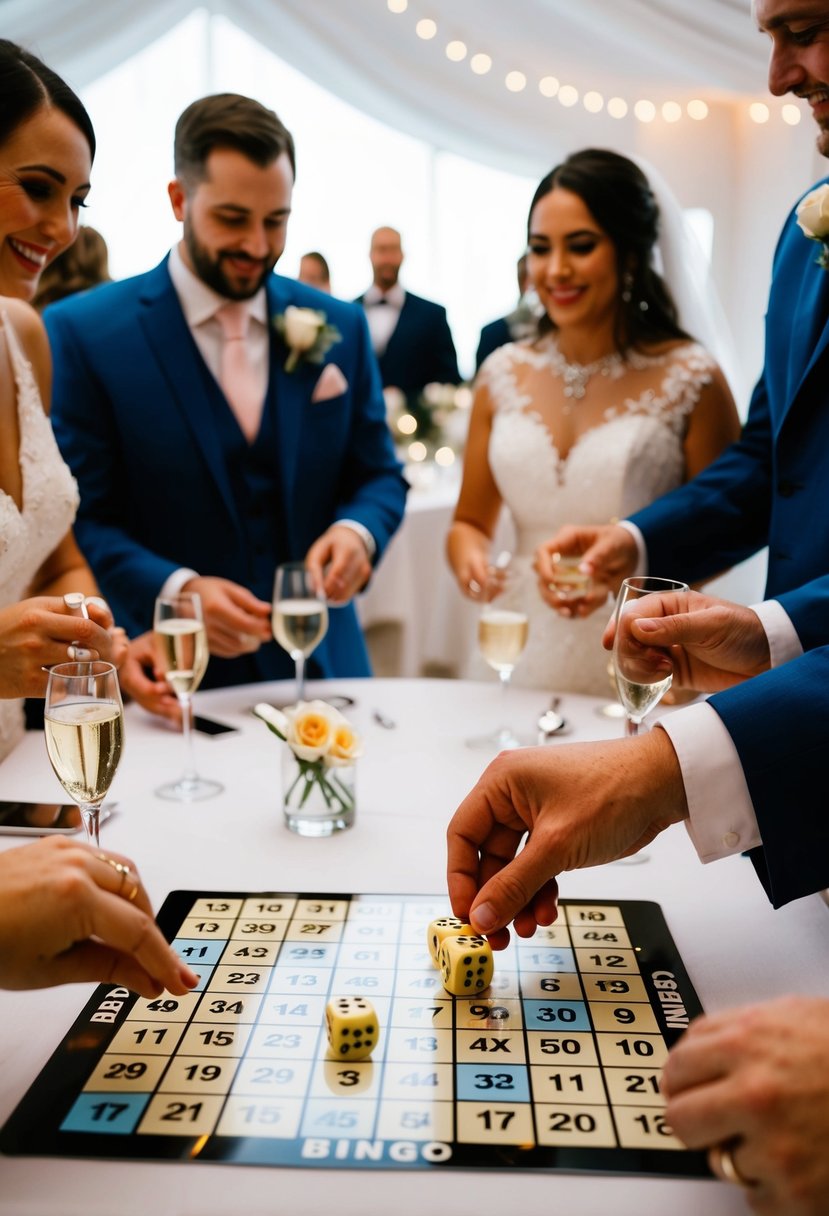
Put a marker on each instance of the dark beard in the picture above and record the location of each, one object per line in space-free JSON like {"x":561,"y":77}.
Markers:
{"x":210,"y":270}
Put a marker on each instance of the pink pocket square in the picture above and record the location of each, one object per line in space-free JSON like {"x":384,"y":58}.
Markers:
{"x":332,"y":383}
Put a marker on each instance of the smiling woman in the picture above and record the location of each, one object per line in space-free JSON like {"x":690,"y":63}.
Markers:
{"x":611,"y":402}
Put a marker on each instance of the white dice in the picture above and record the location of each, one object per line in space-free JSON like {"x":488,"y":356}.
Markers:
{"x":439,"y":930}
{"x":466,"y":965}
{"x":352,"y":1027}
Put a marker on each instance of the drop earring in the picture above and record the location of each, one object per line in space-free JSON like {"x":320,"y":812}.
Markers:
{"x":627,"y":286}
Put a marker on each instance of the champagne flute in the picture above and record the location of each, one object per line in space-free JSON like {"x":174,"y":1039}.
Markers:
{"x":182,"y":654}
{"x":300,"y":616}
{"x":84,"y":729}
{"x":503,"y":629}
{"x":642,"y":673}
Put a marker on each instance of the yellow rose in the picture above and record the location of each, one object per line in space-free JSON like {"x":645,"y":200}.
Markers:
{"x":346,"y":746}
{"x":813,"y":214}
{"x":311,"y":727}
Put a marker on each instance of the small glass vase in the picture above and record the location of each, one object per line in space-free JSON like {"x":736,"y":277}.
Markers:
{"x":317,"y":800}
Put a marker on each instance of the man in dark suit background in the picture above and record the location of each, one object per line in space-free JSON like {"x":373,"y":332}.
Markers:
{"x":518,"y":324}
{"x":187,"y":483}
{"x":410,"y":335}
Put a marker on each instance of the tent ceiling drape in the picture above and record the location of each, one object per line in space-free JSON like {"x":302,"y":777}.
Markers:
{"x":373,"y":59}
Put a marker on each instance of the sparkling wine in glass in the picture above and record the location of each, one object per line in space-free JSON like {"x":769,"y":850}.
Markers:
{"x":641,"y":672}
{"x":300,"y":616}
{"x":84,"y":729}
{"x":181,"y":654}
{"x":503,"y":628}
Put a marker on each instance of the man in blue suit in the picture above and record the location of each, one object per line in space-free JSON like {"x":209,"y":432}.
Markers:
{"x":518,"y":324}
{"x":410,"y":335}
{"x":207,"y":455}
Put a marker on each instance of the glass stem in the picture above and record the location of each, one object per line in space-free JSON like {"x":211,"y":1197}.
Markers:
{"x":504,"y":676}
{"x":186,"y":703}
{"x":91,"y":815}
{"x":299,"y":660}
{"x":632,"y":726}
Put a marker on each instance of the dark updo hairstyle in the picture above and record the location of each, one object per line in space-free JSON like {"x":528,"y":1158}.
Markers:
{"x":26,"y":84}
{"x":617,"y":194}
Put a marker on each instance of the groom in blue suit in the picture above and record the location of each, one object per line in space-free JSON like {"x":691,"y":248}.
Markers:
{"x":202,"y":465}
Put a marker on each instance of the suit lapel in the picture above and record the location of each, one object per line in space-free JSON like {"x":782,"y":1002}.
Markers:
{"x":182,"y":367}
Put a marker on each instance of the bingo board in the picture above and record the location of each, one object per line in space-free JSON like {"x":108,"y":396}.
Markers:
{"x":555,"y":1066}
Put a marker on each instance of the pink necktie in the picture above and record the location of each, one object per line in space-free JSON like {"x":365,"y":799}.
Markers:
{"x":236,"y":373}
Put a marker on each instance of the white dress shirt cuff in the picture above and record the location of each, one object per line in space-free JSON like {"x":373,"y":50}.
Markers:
{"x":175,"y":582}
{"x":784,"y":644}
{"x":722,"y":819}
{"x":364,"y":535}
{"x":642,"y":559}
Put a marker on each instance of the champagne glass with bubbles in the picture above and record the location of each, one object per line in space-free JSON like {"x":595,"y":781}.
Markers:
{"x":642,"y":672}
{"x":503,"y":628}
{"x":181,"y":654}
{"x":300,"y":616}
{"x":84,"y":729}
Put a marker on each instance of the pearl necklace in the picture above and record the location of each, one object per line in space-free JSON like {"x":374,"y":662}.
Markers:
{"x":577,"y":376}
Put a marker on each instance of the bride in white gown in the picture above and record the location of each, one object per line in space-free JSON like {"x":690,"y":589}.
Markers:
{"x":611,"y":405}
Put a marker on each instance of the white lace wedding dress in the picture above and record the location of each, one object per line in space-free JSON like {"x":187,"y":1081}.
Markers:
{"x":50,"y":499}
{"x":612,"y":470}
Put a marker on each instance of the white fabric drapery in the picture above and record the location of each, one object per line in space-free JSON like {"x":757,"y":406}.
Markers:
{"x":374,"y":60}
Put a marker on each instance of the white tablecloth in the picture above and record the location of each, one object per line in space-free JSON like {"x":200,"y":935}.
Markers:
{"x":735,"y":947}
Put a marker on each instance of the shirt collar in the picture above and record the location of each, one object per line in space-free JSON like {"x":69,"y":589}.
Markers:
{"x":199,"y":303}
{"x":395,"y":296}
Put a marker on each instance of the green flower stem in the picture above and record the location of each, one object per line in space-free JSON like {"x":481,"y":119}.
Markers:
{"x":333,"y":790}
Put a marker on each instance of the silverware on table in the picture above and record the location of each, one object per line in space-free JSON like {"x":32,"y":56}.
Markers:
{"x":383,"y":720}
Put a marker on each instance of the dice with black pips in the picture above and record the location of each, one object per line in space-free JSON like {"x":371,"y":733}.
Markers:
{"x":352,"y":1027}
{"x":440,"y":929}
{"x":466,"y":965}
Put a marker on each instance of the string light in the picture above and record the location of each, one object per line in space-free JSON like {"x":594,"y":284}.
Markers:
{"x":645,"y":111}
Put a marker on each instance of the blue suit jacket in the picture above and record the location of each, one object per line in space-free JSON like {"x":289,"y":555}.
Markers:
{"x":771,"y":487}
{"x":420,"y":350}
{"x":778,"y":722}
{"x":133,"y":425}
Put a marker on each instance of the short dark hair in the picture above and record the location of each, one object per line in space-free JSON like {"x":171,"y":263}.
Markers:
{"x":320,"y":260}
{"x":26,"y":84}
{"x":618,"y":195}
{"x":228,"y":120}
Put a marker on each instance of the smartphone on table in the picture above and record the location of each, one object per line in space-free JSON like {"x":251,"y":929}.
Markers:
{"x":44,"y":818}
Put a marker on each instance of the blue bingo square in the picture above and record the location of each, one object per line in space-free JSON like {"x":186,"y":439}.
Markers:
{"x":555,"y":1066}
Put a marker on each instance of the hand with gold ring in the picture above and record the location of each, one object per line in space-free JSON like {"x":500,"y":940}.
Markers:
{"x":70,"y":914}
{"x":752,"y":1086}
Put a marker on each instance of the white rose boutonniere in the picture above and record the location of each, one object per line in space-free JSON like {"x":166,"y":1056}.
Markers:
{"x":813,"y":220}
{"x":306,"y":333}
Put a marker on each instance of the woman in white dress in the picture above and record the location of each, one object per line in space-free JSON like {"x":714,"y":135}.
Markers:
{"x":609,"y":406}
{"x":46,"y":150}
{"x":68,"y":913}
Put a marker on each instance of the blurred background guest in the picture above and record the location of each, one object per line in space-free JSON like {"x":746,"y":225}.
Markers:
{"x":518,"y":324}
{"x":313,"y":270}
{"x":83,"y":265}
{"x":610,"y":404}
{"x":410,"y":335}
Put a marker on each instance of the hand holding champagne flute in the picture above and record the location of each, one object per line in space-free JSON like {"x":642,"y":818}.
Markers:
{"x":84,"y":729}
{"x":643,"y":673}
{"x":181,"y":654}
{"x":300,"y":616}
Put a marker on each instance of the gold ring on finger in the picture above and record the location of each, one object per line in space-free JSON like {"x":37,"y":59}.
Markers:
{"x":721,"y":1159}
